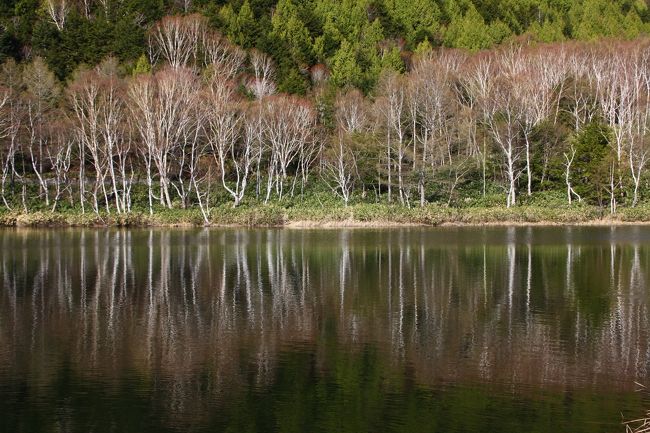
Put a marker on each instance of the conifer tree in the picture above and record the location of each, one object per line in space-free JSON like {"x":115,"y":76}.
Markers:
{"x":345,"y":69}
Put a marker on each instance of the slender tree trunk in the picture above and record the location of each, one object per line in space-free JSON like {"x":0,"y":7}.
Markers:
{"x":529,"y":175}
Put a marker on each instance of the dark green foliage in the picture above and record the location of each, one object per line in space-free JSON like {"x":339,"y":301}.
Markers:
{"x":292,"y":81}
{"x":591,"y":168}
{"x":347,"y":36}
{"x":345,"y":67}
{"x":9,"y":46}
{"x":468,"y":31}
{"x":240,"y":27}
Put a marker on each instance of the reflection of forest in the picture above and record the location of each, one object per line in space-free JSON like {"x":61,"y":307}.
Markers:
{"x":213,"y":311}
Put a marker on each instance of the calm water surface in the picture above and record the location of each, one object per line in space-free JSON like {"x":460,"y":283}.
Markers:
{"x":414,"y":330}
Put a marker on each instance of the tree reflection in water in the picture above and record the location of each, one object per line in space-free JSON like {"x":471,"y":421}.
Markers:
{"x":198,"y":327}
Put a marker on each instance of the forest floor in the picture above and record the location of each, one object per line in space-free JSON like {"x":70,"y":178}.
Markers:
{"x":308,"y":215}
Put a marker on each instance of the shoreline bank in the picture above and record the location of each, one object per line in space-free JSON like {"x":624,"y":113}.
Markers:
{"x":389,"y":224}
{"x":358,"y":216}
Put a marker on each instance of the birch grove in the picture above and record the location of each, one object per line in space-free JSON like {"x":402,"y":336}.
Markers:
{"x":208,"y":125}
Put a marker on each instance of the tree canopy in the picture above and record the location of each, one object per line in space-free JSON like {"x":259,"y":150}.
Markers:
{"x":355,"y":39}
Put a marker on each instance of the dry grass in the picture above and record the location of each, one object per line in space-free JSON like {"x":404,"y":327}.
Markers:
{"x":639,"y":425}
{"x":308,"y":215}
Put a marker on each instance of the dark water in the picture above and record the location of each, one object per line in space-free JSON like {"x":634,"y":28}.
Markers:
{"x":415,"y":330}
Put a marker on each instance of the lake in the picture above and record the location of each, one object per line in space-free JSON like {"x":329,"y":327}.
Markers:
{"x":526,"y":329}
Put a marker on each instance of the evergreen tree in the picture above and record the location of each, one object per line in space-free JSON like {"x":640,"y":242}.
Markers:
{"x":498,"y":32}
{"x":301,"y":33}
{"x":240,"y":27}
{"x":368,"y":53}
{"x":246,"y":26}
{"x":392,"y":60}
{"x":596,"y":18}
{"x":417,"y":19}
{"x":142,"y":66}
{"x":292,"y":33}
{"x":469,"y":31}
{"x":292,"y":81}
{"x":592,"y":162}
{"x":423,"y":47}
{"x":228,"y":21}
{"x":549,"y":31}
{"x":345,"y":69}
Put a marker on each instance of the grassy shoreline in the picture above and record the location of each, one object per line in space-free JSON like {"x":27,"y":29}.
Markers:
{"x":359,"y":215}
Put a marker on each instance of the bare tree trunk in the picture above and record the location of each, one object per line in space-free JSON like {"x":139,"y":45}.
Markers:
{"x":612,"y":189}
{"x":567,"y":176}
{"x":529,"y":174}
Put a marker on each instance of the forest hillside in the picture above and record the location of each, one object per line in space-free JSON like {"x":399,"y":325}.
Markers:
{"x":506,"y":109}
